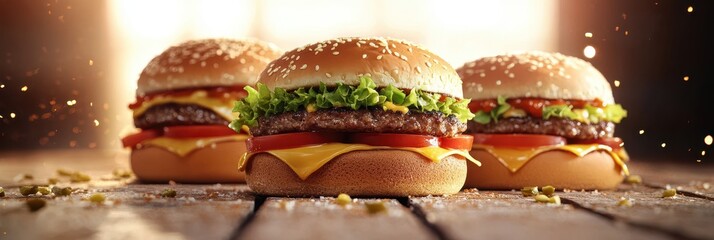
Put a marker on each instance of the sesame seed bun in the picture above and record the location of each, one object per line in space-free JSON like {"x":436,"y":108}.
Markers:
{"x":596,"y":170}
{"x":206,"y":63}
{"x":395,"y":173}
{"x":343,"y":60}
{"x":204,"y":165}
{"x":534,"y":74}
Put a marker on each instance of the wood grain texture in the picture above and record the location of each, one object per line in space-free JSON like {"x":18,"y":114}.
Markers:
{"x":692,"y":177}
{"x":130,"y":212}
{"x":509,"y":215}
{"x":323,"y":218}
{"x":136,"y":211}
{"x":680,"y":216}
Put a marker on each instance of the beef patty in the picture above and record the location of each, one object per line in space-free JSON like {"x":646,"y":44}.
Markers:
{"x":174,"y":114}
{"x":371,"y":120}
{"x":554,"y":126}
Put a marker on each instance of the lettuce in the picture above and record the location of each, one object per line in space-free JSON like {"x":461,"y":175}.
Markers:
{"x":612,"y":113}
{"x":559,"y":111}
{"x":263,"y":102}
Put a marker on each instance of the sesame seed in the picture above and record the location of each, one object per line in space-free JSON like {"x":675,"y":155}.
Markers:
{"x":242,"y":61}
{"x":483,"y":75}
{"x":328,"y":74}
{"x":317,"y":68}
{"x":511,"y":75}
{"x":364,"y":55}
{"x":418,"y":69}
{"x":428,"y":64}
{"x":498,"y":82}
{"x":493,"y":68}
{"x":335,"y":53}
{"x":292,"y":67}
{"x":304,"y":66}
{"x":379,"y":57}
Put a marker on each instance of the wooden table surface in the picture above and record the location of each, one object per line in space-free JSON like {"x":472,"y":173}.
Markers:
{"x":231,"y":211}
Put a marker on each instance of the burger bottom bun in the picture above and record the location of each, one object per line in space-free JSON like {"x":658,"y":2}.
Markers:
{"x":560,"y":169}
{"x":371,"y":173}
{"x":204,"y":165}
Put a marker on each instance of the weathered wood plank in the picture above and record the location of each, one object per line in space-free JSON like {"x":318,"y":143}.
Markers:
{"x":680,"y":216}
{"x":130,"y":212}
{"x":692,"y":177}
{"x":323,"y":218}
{"x":509,"y":215}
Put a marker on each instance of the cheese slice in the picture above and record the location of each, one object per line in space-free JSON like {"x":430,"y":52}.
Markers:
{"x":515,"y":158}
{"x":184,"y":146}
{"x":222,"y":107}
{"x":306,"y":160}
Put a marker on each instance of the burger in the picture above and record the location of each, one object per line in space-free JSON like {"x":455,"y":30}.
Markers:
{"x":542,"y":119}
{"x":183,"y":106}
{"x":362,"y":116}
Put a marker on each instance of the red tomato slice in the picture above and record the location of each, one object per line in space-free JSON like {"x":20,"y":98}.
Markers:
{"x":613,"y":142}
{"x":518,"y":140}
{"x":134,"y":139}
{"x":394,"y":139}
{"x":458,"y":142}
{"x":198,"y":131}
{"x":290,"y":140}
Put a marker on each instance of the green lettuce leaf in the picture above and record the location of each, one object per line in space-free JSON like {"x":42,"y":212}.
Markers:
{"x":559,"y":111}
{"x":263,"y":102}
{"x":612,"y":113}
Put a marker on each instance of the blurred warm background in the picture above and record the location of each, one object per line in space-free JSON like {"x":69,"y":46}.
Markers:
{"x":68,"y":68}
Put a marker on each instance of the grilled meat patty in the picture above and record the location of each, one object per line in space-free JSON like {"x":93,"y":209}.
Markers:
{"x":174,"y":114}
{"x":554,"y":126}
{"x":371,"y":120}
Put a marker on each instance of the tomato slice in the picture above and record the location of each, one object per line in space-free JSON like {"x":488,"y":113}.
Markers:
{"x":458,"y":142}
{"x":518,"y":140}
{"x":394,"y":139}
{"x":134,"y":139}
{"x":290,"y":140}
{"x":613,"y":142}
{"x":198,"y":131}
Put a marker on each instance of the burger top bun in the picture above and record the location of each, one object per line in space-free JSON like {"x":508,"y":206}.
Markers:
{"x":207,"y":63}
{"x":534,"y":74}
{"x":343,"y":60}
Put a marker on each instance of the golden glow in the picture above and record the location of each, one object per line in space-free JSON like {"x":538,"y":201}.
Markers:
{"x":23,"y":88}
{"x":708,"y":140}
{"x":458,"y":31}
{"x":462,"y":29}
{"x":588,"y":34}
{"x":589,"y":51}
{"x":642,"y":131}
{"x":139,"y":32}
{"x":690,"y":9}
{"x":686,"y":78}
{"x":12,"y":115}
{"x":96,"y":122}
{"x":71,"y":102}
{"x":617,"y":83}
{"x":664,"y":145}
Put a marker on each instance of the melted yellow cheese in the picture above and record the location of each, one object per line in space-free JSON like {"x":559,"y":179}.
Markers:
{"x":395,"y":108}
{"x":306,"y":160}
{"x":515,"y":158}
{"x":184,"y":146}
{"x":221,"y":107}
